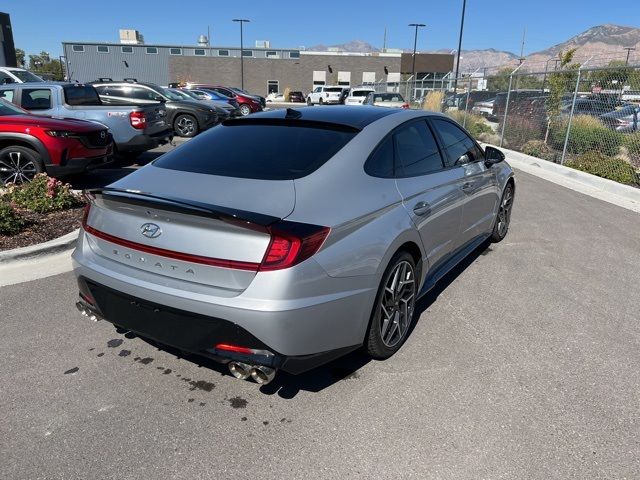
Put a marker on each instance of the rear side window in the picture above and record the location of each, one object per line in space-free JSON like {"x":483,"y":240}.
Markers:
{"x":276,"y":151}
{"x":416,"y":150}
{"x":7,"y":95}
{"x":456,"y":143}
{"x":380,"y":164}
{"x":81,"y":95}
{"x":36,"y":98}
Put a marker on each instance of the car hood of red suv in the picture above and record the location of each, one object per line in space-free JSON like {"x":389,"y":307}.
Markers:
{"x":50,"y":123}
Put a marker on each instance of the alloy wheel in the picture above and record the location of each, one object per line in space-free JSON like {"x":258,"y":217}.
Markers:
{"x":16,"y":168}
{"x":245,"y":110}
{"x":185,"y":126}
{"x":504,"y":214}
{"x":397,"y":303}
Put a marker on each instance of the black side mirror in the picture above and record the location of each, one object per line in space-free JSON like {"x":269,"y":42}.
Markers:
{"x":492,"y":156}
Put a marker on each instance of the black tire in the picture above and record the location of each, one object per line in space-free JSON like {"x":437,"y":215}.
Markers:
{"x":245,"y":109}
{"x":185,"y":125}
{"x":503,"y":219}
{"x":19,"y":164}
{"x":320,"y":102}
{"x":377,"y":346}
{"x":309,"y":102}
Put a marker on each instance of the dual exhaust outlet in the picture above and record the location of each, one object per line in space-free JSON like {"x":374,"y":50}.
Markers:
{"x":82,"y":308}
{"x":260,"y":374}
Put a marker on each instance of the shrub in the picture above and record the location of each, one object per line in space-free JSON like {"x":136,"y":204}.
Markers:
{"x":587,"y":134}
{"x":632,"y":143}
{"x":433,"y":101}
{"x":10,"y":222}
{"x":43,"y":194}
{"x":475,"y":124}
{"x":520,"y":129}
{"x":537,"y":148}
{"x":604,"y":166}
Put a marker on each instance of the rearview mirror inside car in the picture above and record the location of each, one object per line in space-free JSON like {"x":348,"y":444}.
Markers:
{"x":492,"y":156}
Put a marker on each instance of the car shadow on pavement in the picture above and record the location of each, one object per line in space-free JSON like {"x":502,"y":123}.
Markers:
{"x":345,"y":368}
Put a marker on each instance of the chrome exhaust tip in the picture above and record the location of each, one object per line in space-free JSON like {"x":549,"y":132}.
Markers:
{"x":262,"y":375}
{"x":240,"y":370}
{"x":82,"y":308}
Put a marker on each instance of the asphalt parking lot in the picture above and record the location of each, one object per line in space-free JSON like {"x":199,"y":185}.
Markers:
{"x":523,"y":364}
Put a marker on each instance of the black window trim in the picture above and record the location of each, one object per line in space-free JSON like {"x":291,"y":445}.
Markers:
{"x":126,"y":46}
{"x":441,"y":142}
{"x":98,"y":47}
{"x":395,"y":169}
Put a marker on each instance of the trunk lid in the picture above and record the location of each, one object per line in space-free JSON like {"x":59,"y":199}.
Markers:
{"x":156,"y":115}
{"x":190,"y":227}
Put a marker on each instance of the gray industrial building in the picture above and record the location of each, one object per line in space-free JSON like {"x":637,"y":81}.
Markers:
{"x":265,"y":69}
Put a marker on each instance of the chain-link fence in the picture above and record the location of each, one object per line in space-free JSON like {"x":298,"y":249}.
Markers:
{"x":583,"y":117}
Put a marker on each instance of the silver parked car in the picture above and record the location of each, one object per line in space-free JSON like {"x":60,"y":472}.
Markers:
{"x":311,"y":240}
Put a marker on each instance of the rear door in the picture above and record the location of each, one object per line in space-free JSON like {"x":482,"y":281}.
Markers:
{"x":430,"y":192}
{"x":479,"y":185}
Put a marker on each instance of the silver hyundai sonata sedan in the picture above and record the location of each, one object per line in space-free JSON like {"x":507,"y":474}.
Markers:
{"x":288,"y":238}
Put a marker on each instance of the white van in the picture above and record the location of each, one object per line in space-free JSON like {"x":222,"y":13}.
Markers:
{"x":17,"y":75}
{"x":358,"y":95}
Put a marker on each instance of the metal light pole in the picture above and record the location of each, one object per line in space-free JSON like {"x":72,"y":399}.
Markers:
{"x":241,"y":21}
{"x":415,"y":43}
{"x":629,"y":50}
{"x":455,"y":81}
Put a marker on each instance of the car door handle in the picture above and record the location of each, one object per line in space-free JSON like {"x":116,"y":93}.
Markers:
{"x":422,"y":209}
{"x":468,"y":186}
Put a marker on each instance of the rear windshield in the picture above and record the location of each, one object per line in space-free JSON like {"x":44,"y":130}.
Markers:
{"x":388,"y":97}
{"x":360,"y":93}
{"x":26,"y":76}
{"x":333,"y":89}
{"x":81,"y":95}
{"x":260,"y":150}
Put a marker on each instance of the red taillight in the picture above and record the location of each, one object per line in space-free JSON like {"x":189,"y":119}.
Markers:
{"x":138,"y":120}
{"x":291,"y":244}
{"x":405,"y":105}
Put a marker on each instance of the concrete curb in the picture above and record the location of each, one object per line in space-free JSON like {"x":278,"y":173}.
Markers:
{"x":57,"y":245}
{"x":592,"y":185}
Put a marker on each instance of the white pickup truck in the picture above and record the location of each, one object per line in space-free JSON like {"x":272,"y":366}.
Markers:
{"x":325,"y":94}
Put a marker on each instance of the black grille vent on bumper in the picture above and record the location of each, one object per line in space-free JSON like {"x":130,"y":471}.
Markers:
{"x":99,"y":139}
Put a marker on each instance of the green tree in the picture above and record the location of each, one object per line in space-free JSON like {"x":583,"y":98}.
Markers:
{"x":562,"y":81}
{"x":500,"y":81}
{"x":20,"y":57}
{"x":44,"y":66}
{"x":616,"y":76}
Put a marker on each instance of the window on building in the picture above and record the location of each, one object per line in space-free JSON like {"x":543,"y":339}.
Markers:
{"x":103,"y":49}
{"x":223,"y":53}
{"x":294,"y":54}
{"x":126,"y":49}
{"x":152,"y":50}
{"x":78,"y":48}
{"x":247,"y":53}
{"x":272,"y":54}
{"x":175,"y":51}
{"x":368,"y":77}
{"x":272,"y":86}
{"x":344,"y":78}
{"x":199,"y":52}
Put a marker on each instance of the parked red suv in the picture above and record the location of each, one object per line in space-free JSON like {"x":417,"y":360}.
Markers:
{"x":248,"y":103}
{"x":31,"y":144}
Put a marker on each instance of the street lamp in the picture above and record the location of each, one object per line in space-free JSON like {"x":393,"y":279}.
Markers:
{"x":415,"y":43}
{"x":241,"y":21}
{"x":455,"y":81}
{"x":629,"y":50}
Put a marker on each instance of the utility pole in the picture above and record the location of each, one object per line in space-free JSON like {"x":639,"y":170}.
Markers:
{"x":629,"y":50}
{"x":455,"y":81}
{"x":384,"y":41}
{"x":241,"y":21}
{"x":415,"y":43}
{"x":524,"y":34}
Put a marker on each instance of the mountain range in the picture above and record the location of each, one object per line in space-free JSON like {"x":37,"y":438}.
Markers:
{"x":602,"y":42}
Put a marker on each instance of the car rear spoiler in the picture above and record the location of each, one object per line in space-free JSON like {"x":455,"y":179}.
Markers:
{"x":191,"y":207}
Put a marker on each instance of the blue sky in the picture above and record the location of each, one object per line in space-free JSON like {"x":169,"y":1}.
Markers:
{"x":40,"y":25}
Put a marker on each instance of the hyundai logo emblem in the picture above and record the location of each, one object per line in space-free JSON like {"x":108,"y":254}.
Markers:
{"x":150,"y":230}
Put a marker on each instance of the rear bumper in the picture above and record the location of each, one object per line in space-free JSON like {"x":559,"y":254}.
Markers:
{"x":144,"y":142}
{"x":191,"y":332}
{"x":299,"y":312}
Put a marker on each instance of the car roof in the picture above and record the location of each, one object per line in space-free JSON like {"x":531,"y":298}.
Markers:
{"x":351,"y":116}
